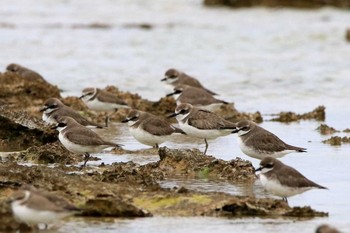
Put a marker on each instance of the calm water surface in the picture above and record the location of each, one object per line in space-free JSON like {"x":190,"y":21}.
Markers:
{"x":266,"y":60}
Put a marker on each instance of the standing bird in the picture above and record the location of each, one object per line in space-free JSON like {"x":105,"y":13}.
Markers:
{"x":259,"y":143}
{"x":53,"y":109}
{"x":101,"y":100}
{"x":25,"y":73}
{"x":79,"y":139}
{"x":175,"y":77}
{"x":282,"y":180}
{"x":32,"y":206}
{"x":197,"y":97}
{"x":200,"y":123}
{"x":149,"y":129}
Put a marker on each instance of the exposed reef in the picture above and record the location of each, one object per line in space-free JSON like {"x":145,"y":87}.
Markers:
{"x":279,"y":3}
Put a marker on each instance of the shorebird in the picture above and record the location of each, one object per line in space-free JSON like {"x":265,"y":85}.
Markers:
{"x":201,"y":123}
{"x":32,"y":206}
{"x":282,"y":180}
{"x":259,"y":143}
{"x":175,"y":77}
{"x":101,"y":100}
{"x":25,"y":73}
{"x":79,"y":139}
{"x":149,"y":129}
{"x":53,"y":109}
{"x":197,"y":97}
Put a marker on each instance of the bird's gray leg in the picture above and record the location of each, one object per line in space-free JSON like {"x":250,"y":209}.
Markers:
{"x":86,"y":158}
{"x":206,"y":146}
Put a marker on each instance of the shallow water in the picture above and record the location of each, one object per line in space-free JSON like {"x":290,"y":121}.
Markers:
{"x":269,"y":60}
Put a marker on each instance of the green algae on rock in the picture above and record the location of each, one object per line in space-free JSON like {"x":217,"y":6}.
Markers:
{"x":317,"y":114}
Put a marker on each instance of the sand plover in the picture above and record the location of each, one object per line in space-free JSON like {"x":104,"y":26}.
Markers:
{"x":197,"y":97}
{"x":101,"y":100}
{"x":324,"y":228}
{"x":149,"y":129}
{"x":53,"y":109}
{"x":258,"y":143}
{"x":175,"y":77}
{"x":33,"y":206}
{"x":79,"y":139}
{"x":282,"y":180}
{"x":25,"y":73}
{"x":201,"y":123}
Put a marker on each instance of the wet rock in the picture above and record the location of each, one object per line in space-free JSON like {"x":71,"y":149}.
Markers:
{"x":347,"y":34}
{"x":21,"y":94}
{"x":318,"y":114}
{"x":112,"y":207}
{"x":49,"y":154}
{"x":324,"y":228}
{"x":192,"y":163}
{"x":19,"y":130}
{"x":230,"y":113}
{"x":249,"y":206}
{"x":337,"y":141}
{"x":279,"y":3}
{"x":326,"y":130}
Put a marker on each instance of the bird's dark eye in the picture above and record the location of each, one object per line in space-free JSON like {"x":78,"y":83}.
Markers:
{"x":269,"y":165}
{"x":172,"y":76}
{"x":61,"y":124}
{"x":183,"y":111}
{"x":52,"y":106}
{"x":245,"y":128}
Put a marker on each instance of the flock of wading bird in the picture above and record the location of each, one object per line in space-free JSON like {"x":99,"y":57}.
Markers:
{"x":195,"y":113}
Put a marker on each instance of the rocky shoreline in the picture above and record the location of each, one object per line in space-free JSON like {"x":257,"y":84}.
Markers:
{"x":279,"y":3}
{"x":120,"y":189}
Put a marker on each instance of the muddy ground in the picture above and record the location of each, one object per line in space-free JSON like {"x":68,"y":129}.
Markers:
{"x":120,"y":189}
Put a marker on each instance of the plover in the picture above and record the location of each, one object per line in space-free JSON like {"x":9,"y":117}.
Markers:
{"x":101,"y":100}
{"x":196,"y":97}
{"x":25,"y":73}
{"x":258,"y":143}
{"x":282,"y":180}
{"x":53,"y":109}
{"x":175,"y":77}
{"x":324,"y":228}
{"x":201,"y":123}
{"x":149,"y":129}
{"x":79,"y":139}
{"x":32,"y":206}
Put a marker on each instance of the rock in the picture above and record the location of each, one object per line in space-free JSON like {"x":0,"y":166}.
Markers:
{"x":48,"y":154}
{"x":279,"y":3}
{"x":18,"y":93}
{"x":112,"y":207}
{"x":318,"y":114}
{"x":337,"y":141}
{"x":192,"y":163}
{"x":249,"y":206}
{"x":326,"y":130}
{"x":347,"y":35}
{"x":19,"y":130}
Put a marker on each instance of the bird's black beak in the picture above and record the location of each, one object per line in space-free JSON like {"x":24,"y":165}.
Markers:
{"x":258,"y":169}
{"x":125,"y":120}
{"x":82,"y":96}
{"x":163,"y":79}
{"x":175,"y":92}
{"x":173,"y":115}
{"x":236,"y":130}
{"x":43,"y":108}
